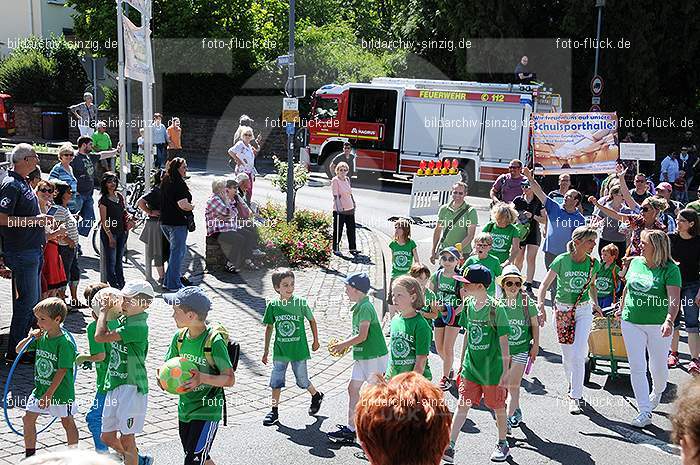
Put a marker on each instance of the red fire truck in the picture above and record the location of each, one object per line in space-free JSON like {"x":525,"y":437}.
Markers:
{"x":395,"y":123}
{"x":7,"y":116}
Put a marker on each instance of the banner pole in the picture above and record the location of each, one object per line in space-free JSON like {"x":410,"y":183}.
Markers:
{"x":122,"y":94}
{"x":147,"y":89}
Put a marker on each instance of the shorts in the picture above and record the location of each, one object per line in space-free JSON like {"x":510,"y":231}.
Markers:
{"x":520,"y":359}
{"x":439,"y":323}
{"x":494,"y":396}
{"x":55,"y":410}
{"x":366,"y":370}
{"x":689,"y":308}
{"x":279,"y":372}
{"x":196,"y":437}
{"x":124,"y":410}
{"x":534,"y":237}
{"x":605,"y":301}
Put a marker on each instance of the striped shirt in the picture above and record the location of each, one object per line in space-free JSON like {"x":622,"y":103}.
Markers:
{"x":220,"y":215}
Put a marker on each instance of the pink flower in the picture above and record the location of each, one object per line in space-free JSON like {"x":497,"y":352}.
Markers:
{"x":270,"y":244}
{"x":300,"y":245}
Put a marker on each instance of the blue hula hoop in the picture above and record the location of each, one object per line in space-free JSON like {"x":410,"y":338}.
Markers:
{"x":448,"y":319}
{"x":9,"y":378}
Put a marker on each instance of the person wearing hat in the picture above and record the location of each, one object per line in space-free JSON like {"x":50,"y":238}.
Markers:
{"x":369,"y":350}
{"x":126,"y":381}
{"x":199,"y":407}
{"x":524,"y":331}
{"x":531,"y":212}
{"x":485,"y":359}
{"x":668,"y":217}
{"x":446,"y":288}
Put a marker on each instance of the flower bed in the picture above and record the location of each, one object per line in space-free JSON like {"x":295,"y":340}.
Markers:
{"x":306,"y":241}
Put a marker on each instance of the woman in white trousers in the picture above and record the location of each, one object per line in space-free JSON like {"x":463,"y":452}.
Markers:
{"x":575,"y":271}
{"x":649,"y":306}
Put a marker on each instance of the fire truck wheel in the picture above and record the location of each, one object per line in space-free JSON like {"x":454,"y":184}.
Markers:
{"x":327,"y":164}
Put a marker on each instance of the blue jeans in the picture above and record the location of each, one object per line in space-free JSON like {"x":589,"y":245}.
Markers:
{"x":177,"y":237}
{"x":279,"y":370}
{"x":113,"y":258}
{"x":26,"y":282}
{"x":160,"y":155}
{"x":86,"y":208}
{"x":94,"y":421}
{"x":689,"y":308}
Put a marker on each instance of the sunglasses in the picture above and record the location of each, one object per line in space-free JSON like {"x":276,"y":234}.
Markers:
{"x":46,"y":191}
{"x":457,"y":193}
{"x":515,"y":167}
{"x":70,"y":155}
{"x":447,"y":258}
{"x":512,"y":283}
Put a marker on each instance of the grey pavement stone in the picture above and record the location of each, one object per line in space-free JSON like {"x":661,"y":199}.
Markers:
{"x":239,"y":303}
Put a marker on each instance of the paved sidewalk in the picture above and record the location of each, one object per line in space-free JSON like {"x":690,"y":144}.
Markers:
{"x":239,"y":303}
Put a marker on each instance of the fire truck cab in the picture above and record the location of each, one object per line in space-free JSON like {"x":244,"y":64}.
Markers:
{"x":394,"y":124}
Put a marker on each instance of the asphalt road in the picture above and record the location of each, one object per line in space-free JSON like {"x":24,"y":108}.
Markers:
{"x":550,"y":434}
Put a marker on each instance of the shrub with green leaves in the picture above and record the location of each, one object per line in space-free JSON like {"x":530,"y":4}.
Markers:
{"x":305,"y":241}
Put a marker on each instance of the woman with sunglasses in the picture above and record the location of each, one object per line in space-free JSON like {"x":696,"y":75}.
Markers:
{"x":610,"y":227}
{"x":64,"y":171}
{"x":576,"y":299}
{"x":524,"y":329}
{"x":113,"y":233}
{"x":456,"y":224}
{"x":67,"y":246}
{"x":343,"y":209}
{"x":53,"y":276}
{"x":243,"y":155}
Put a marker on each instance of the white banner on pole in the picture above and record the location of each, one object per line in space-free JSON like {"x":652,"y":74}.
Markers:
{"x":630,"y":151}
{"x":144,"y":6}
{"x":136,"y":52}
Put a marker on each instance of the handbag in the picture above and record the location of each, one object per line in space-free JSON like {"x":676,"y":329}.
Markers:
{"x":566,"y":321}
{"x":191,"y":226}
{"x":126,"y":217}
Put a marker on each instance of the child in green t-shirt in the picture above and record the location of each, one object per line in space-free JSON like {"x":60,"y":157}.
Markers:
{"x":430,"y":311}
{"x":524,"y":329}
{"x":485,"y":356}
{"x":286,"y":317}
{"x":199,"y":407}
{"x":404,"y":253}
{"x":410,"y":332}
{"x":482,"y":256}
{"x":54,"y":392}
{"x":609,"y":278}
{"x":98,"y":355}
{"x":368,"y":350}
{"x":126,"y":381}
{"x":506,"y":240}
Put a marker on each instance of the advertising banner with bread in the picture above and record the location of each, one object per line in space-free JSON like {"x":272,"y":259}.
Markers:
{"x":578,"y":143}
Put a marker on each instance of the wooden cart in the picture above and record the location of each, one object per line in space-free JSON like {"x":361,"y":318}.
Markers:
{"x":606,"y":347}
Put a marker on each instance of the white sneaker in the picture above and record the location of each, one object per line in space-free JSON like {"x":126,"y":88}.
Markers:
{"x":655,"y":400}
{"x":641,"y":420}
{"x":575,"y":406}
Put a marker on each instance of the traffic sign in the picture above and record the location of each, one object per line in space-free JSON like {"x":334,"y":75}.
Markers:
{"x":290,"y":110}
{"x":595,"y":100}
{"x":283,"y":60}
{"x":595,"y":108}
{"x":596,"y":86}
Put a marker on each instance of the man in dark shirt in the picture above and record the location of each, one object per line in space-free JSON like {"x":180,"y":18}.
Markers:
{"x":23,"y":238}
{"x":641,"y":188}
{"x":347,"y":156}
{"x":523,"y":75}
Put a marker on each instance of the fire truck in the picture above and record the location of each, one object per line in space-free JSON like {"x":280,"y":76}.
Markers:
{"x":394,"y":124}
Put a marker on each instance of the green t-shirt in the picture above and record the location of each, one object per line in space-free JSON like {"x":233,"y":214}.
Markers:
{"x":429,"y":299}
{"x":445,"y":289}
{"x":410,"y":337}
{"x":98,"y":348}
{"x":572,"y":276}
{"x":101,"y":141}
{"x":457,"y":229}
{"x":502,"y":239}
{"x":520,"y":330}
{"x":374,"y":346}
{"x":483,"y":361}
{"x":695,"y":205}
{"x":646,"y":301}
{"x":490,"y":262}
{"x":290,"y":333}
{"x":52,"y":354}
{"x":127,"y":359}
{"x":204,"y":402}
{"x":604,"y":281}
{"x":401,"y":257}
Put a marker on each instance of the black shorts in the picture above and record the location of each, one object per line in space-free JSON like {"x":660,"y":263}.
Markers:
{"x":534,"y":237}
{"x":197,"y":437}
{"x":441,"y":324}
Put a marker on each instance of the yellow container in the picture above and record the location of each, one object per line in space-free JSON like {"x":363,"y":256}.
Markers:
{"x":599,"y":344}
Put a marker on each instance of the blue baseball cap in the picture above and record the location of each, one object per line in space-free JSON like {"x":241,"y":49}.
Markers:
{"x":452,"y":251}
{"x":476,"y":274}
{"x":192,"y":297}
{"x":359,"y":281}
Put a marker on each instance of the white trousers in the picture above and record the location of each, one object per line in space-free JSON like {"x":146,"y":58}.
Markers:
{"x":640,"y":339}
{"x":573,"y":356}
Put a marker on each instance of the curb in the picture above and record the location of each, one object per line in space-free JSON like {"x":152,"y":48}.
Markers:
{"x":312,"y":182}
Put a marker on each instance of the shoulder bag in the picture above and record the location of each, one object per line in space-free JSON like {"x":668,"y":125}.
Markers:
{"x":566,"y":320}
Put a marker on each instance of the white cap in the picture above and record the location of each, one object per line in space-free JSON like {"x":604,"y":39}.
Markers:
{"x":109,"y":297}
{"x":136,"y":287}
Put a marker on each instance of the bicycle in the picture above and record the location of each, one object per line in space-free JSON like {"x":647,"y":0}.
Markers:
{"x":132,"y":193}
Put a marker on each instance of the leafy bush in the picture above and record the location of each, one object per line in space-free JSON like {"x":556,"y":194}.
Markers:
{"x":301,"y":175}
{"x":306,"y":241}
{"x":44,"y":71}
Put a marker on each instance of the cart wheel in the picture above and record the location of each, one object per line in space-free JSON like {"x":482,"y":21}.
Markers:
{"x":590,"y":366}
